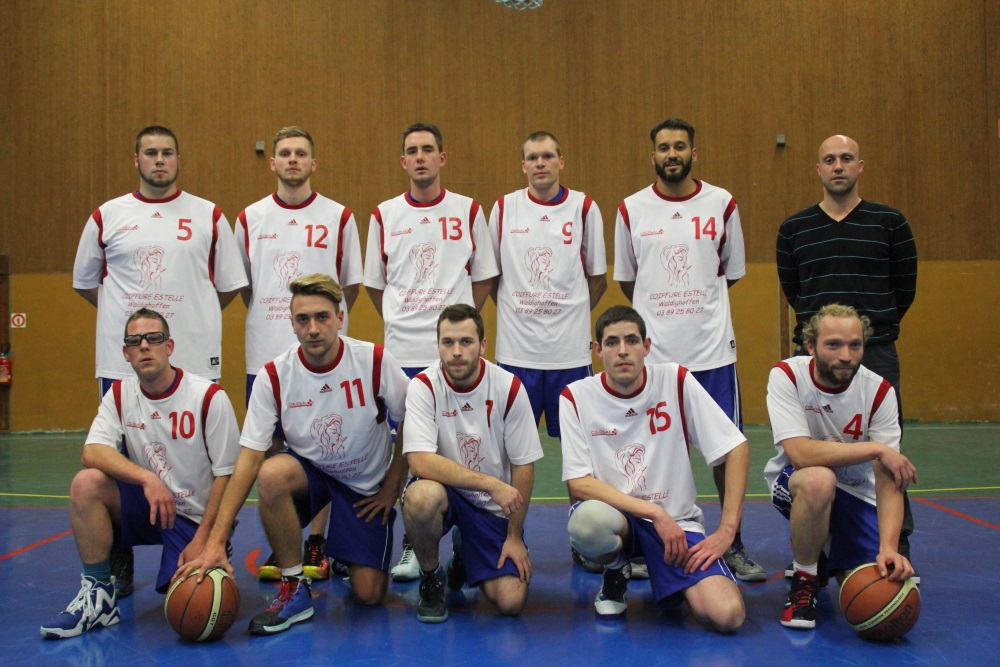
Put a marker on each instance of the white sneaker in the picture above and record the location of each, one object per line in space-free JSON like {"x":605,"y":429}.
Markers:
{"x":408,"y":569}
{"x":612,"y":599}
{"x":639,"y":570}
{"x":95,"y":606}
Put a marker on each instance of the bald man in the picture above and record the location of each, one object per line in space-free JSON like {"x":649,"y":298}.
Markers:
{"x":852,"y":251}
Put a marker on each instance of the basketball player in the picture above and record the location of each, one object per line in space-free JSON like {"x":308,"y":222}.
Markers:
{"x":331,"y":396}
{"x":181,"y":440}
{"x":159,"y":248}
{"x":471,"y":443}
{"x":678,"y":250}
{"x":849,"y":250}
{"x":838,"y":473}
{"x":625,"y":439}
{"x":427,"y":248}
{"x":292,"y":232}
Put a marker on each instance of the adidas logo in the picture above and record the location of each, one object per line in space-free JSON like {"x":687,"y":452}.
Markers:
{"x":827,"y":408}
{"x":466,"y":408}
{"x":325,"y":389}
{"x":155,"y":415}
{"x":425,"y":221}
{"x":545,"y":218}
{"x":292,"y":223}
{"x":631,"y":413}
{"x":156,"y":215}
{"x":677,"y":215}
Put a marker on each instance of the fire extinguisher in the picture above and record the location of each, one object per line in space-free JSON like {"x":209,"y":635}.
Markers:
{"x":6,"y":365}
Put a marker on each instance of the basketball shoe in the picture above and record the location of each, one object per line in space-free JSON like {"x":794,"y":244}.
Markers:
{"x":431,"y":608}
{"x":800,"y":609}
{"x":269,"y":571}
{"x":591,"y":566}
{"x":293,"y":605}
{"x":315,"y":564}
{"x":611,"y":600}
{"x":408,"y":569}
{"x":123,"y":571}
{"x":95,"y":606}
{"x":741,"y":565}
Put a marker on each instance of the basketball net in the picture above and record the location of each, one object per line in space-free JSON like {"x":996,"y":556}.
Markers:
{"x":521,"y":4}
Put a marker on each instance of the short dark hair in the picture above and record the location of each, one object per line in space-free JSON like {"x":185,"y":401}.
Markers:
{"x":673,"y":123}
{"x":156,"y":131}
{"x":459,"y":312}
{"x":616,"y":314}
{"x":424,"y":127}
{"x":541,"y":135}
{"x":148,"y":314}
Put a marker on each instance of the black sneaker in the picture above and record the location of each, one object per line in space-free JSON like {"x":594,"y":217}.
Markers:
{"x":456,"y":572}
{"x":315,"y":564}
{"x":611,"y":600}
{"x":123,"y":570}
{"x":431,"y":607}
{"x":800,"y":609}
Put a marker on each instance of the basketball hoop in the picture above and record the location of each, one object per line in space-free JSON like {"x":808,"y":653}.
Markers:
{"x":520,"y":4}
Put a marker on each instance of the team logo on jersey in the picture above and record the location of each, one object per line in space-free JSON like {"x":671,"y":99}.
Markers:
{"x":813,"y":408}
{"x":539,"y":263}
{"x":658,"y":232}
{"x":300,"y":404}
{"x":155,"y":415}
{"x":156,"y":457}
{"x":631,"y":413}
{"x":293,"y":223}
{"x":466,"y":408}
{"x":544,"y":218}
{"x":631,"y":462}
{"x":675,"y":260}
{"x":128,"y":228}
{"x":423,"y":257}
{"x":599,"y":432}
{"x":828,"y":409}
{"x":425,"y":221}
{"x":402,"y":232}
{"x":286,"y":266}
{"x":148,"y":261}
{"x":449,"y":413}
{"x":526,"y":230}
{"x":156,"y":215}
{"x":468,"y":448}
{"x":328,"y":433}
{"x":326,"y":389}
{"x":138,"y":425}
{"x":677,"y":216}
{"x":265,"y":237}
{"x":213,"y":361}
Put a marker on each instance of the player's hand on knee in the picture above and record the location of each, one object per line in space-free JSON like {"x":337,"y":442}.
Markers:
{"x":674,"y":540}
{"x":507,"y":497}
{"x":900,"y":467}
{"x":161,"y":503}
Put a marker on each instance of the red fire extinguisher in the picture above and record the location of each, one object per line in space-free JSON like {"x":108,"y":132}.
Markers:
{"x":6,"y":365}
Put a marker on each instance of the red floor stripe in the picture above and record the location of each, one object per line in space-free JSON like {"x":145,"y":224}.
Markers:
{"x":36,"y":544}
{"x":958,"y":514}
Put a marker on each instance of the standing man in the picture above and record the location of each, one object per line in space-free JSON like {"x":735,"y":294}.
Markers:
{"x":678,"y":250}
{"x":180,"y":435}
{"x":849,"y":250}
{"x":471,"y":443}
{"x":164,"y":249}
{"x":626,"y":435}
{"x":331,"y":396}
{"x":427,"y":248}
{"x":838,"y":473}
{"x":290,"y":233}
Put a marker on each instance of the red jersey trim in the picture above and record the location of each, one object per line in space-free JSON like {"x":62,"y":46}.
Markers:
{"x":880,"y":394}
{"x":156,"y":201}
{"x":377,"y":382}
{"x":825,"y":390}
{"x":430,"y":386}
{"x":681,"y":374}
{"x":697,"y":189}
{"x":272,"y":373}
{"x":420,"y":204}
{"x":607,"y":387}
{"x":116,"y":391}
{"x":515,"y":386}
{"x":345,"y":217}
{"x":241,"y":220}
{"x":205,"y":406}
{"x":555,"y":201}
{"x":293,"y":207}
{"x":319,"y":370}
{"x":170,"y":390}
{"x":216,"y":216}
{"x":568,"y":395}
{"x":99,"y":221}
{"x":482,"y":374}
{"x":377,"y":214}
{"x":787,"y":370}
{"x":500,"y":208}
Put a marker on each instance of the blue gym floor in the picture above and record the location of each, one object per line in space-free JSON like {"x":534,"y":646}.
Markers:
{"x":955,"y":549}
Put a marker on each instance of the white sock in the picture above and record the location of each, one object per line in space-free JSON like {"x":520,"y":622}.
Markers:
{"x":294,"y":571}
{"x":808,"y":569}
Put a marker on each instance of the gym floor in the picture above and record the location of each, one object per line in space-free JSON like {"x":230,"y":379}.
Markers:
{"x":956,"y":507}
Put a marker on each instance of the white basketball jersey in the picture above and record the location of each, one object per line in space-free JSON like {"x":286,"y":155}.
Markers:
{"x":425,"y":256}
{"x":484,"y":428}
{"x":278,"y":243}
{"x":188,"y":436}
{"x":334,"y":417}
{"x":546,"y":251}
{"x":171,"y":255}
{"x":638,"y":444}
{"x":680,"y":252}
{"x":864,"y":411}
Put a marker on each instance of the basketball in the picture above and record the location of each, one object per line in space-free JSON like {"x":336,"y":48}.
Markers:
{"x":879,"y":609}
{"x":202,"y":612}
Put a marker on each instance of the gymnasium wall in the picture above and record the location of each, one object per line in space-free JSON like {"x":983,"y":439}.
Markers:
{"x":916,"y":82}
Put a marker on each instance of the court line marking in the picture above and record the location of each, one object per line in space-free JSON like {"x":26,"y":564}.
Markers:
{"x":960,"y":515}
{"x":36,"y":544}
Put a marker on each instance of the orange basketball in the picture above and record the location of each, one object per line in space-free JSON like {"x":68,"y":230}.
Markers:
{"x":879,"y":609}
{"x":202,"y":612}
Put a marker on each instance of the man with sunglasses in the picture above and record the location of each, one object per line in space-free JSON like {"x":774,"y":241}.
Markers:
{"x":181,"y":442}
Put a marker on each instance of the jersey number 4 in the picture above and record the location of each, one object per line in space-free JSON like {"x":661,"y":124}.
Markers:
{"x":853,"y":427}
